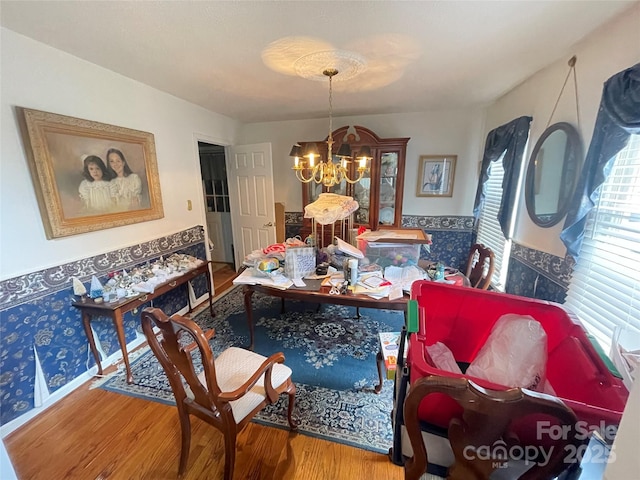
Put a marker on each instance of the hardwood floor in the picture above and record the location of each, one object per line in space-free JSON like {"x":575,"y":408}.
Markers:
{"x":96,"y":434}
{"x":223,"y":275}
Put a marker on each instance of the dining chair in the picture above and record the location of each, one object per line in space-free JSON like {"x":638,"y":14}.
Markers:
{"x":480,"y":266}
{"x":495,"y":429}
{"x":230,"y":389}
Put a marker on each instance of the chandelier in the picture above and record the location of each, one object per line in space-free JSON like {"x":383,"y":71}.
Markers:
{"x":309,"y":166}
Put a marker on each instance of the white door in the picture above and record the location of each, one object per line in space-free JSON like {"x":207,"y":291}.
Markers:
{"x":214,"y":227}
{"x":219,"y":228}
{"x":250,"y":177}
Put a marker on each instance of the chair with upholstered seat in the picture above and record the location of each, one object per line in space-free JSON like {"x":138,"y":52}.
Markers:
{"x":480,"y":266}
{"x":228,"y":392}
{"x":494,"y":428}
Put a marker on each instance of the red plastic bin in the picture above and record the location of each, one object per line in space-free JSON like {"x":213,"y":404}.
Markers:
{"x":462,"y":319}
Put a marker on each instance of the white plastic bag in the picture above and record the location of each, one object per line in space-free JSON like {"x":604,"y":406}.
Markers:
{"x":515,"y":354}
{"x":442,"y":358}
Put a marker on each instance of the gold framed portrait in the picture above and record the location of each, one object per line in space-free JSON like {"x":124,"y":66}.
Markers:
{"x":88,"y":175}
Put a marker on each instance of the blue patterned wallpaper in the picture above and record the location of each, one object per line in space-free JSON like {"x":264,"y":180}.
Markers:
{"x":292,"y":224}
{"x":540,"y":275}
{"x":451,"y":236}
{"x":36,"y":315}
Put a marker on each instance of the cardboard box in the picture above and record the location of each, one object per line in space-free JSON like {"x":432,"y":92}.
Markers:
{"x":389,"y":347}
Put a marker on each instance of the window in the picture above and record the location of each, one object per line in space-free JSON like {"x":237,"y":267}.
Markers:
{"x":489,"y":230}
{"x":605,"y":287}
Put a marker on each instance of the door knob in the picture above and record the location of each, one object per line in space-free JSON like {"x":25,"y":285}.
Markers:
{"x":270,"y":224}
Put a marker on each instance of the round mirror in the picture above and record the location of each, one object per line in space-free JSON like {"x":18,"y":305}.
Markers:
{"x":552,"y":174}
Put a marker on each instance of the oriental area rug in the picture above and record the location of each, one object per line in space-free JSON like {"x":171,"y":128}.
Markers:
{"x":331,"y":352}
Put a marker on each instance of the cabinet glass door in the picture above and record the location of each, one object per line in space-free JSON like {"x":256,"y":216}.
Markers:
{"x":388,"y":188}
{"x":313,"y":191}
{"x":362,"y":194}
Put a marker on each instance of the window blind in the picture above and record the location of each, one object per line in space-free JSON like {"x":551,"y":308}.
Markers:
{"x":605,"y":287}
{"x":489,"y":230}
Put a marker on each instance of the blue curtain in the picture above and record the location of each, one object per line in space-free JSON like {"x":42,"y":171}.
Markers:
{"x":512,"y":138}
{"x":618,"y":118}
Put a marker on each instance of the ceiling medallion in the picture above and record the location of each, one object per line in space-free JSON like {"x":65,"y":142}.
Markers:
{"x":312,"y":65}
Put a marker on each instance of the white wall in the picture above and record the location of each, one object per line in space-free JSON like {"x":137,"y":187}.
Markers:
{"x":456,"y":132}
{"x":626,"y":463}
{"x":610,"y":49}
{"x":37,"y":76}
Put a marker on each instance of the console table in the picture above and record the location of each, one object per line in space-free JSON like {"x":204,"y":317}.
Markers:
{"x":117,"y":309}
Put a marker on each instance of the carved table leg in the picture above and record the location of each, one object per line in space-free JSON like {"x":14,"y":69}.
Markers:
{"x":380,"y":362}
{"x":209,"y":287}
{"x":249,"y":311}
{"x":118,"y":322}
{"x":86,"y":322}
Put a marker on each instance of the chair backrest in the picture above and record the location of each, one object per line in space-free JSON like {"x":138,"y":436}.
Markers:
{"x":489,"y":429}
{"x":181,"y":336}
{"x":480,"y":266}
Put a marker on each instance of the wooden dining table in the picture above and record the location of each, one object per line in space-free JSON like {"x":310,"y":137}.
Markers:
{"x":315,"y":292}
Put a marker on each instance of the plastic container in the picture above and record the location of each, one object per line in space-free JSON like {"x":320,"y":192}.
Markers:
{"x":462,"y":319}
{"x":398,"y":247}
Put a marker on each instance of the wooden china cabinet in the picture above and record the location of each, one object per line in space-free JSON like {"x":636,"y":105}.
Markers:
{"x":379,"y":192}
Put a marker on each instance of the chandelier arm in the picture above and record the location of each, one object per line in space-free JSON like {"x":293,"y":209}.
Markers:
{"x":360,"y":175}
{"x":336,"y":178}
{"x":300,"y":177}
{"x":318,"y":172}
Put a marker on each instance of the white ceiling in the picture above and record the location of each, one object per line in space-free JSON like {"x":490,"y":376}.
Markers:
{"x":237,"y":57}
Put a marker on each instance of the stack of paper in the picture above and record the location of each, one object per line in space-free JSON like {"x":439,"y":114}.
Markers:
{"x":373,"y":284}
{"x":348,"y":249}
{"x":376,"y":293}
{"x":404,"y":276}
{"x":249,"y":277}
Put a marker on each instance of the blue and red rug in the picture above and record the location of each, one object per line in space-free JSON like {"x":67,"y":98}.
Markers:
{"x":332,"y":354}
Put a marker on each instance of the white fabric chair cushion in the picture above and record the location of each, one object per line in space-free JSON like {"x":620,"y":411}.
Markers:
{"x":233,"y":367}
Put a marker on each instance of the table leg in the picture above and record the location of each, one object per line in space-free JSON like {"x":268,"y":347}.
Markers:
{"x":209,"y":287}
{"x":248,"y":293}
{"x":380,"y":362}
{"x":119,"y":324}
{"x":186,"y":285}
{"x":86,"y":321}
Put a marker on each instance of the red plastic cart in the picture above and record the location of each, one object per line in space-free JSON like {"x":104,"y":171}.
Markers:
{"x":462,"y":319}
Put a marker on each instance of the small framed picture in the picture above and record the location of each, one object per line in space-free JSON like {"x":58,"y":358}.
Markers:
{"x":435,"y":175}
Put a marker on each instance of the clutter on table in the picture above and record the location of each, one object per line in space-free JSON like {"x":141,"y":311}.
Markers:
{"x":140,"y":279}
{"x":382,"y":264}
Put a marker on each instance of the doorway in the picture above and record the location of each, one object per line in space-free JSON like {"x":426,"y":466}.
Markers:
{"x":213,"y":169}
